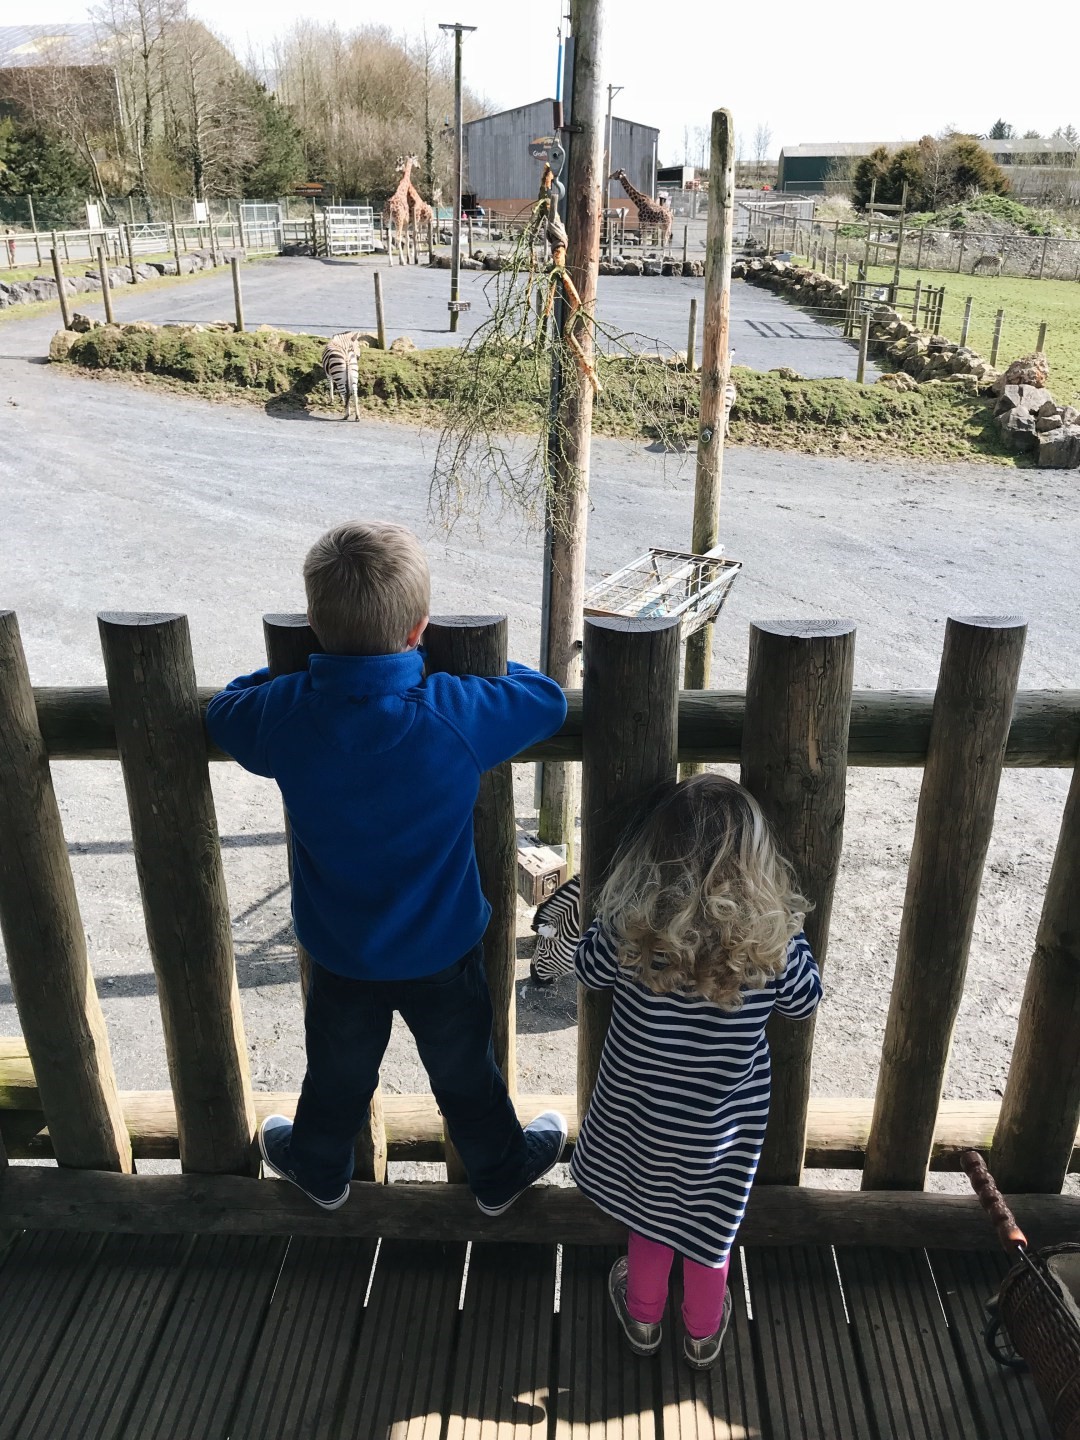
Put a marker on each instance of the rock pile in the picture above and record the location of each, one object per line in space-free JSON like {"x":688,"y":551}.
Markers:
{"x":1030,"y":420}
{"x":43,"y":287}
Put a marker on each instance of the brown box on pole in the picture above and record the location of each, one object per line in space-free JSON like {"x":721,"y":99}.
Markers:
{"x":540,"y":872}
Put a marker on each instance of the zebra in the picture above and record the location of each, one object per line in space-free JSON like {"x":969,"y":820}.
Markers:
{"x":557,"y":923}
{"x":730,"y":396}
{"x":341,"y":366}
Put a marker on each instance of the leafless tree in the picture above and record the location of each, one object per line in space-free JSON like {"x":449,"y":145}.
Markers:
{"x":762,"y":142}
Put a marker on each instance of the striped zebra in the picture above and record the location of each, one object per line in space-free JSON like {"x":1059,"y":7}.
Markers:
{"x":730,"y":396}
{"x":557,"y":923}
{"x":341,"y":366}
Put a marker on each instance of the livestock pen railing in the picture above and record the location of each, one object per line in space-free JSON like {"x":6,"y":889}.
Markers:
{"x":795,"y":730}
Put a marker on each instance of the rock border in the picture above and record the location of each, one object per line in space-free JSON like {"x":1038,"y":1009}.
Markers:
{"x":43,"y":287}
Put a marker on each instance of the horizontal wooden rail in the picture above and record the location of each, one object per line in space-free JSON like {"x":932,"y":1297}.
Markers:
{"x":35,"y":1199}
{"x":888,"y":727}
{"x":837,"y":1128}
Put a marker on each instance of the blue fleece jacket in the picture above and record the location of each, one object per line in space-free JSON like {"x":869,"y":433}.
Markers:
{"x":380,"y":768}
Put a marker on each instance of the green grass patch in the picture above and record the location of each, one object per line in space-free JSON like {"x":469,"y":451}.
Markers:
{"x":278,"y":370}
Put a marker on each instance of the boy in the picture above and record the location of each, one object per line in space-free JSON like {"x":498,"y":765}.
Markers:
{"x":379,"y":768}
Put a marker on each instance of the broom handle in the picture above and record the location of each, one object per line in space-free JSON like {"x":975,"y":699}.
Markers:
{"x":992,"y":1201}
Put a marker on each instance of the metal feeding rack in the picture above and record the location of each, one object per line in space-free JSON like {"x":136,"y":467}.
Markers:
{"x":667,"y":583}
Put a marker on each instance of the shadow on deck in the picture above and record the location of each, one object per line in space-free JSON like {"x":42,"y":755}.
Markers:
{"x":203,"y":1338}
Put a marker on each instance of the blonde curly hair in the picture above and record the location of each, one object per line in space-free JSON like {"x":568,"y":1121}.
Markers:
{"x":699,"y":899}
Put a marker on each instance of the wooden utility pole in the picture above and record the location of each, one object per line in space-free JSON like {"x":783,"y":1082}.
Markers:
{"x":715,"y":370}
{"x":569,"y":501}
{"x":455,"y":246}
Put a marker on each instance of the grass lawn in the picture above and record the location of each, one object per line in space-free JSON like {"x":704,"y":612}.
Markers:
{"x":1027,"y":303}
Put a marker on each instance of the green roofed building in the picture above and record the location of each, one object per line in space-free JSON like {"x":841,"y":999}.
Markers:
{"x":805,"y":168}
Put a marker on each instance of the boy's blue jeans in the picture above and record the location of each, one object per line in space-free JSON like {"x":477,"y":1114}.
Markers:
{"x":347,"y":1027}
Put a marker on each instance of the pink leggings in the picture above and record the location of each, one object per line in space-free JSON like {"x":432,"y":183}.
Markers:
{"x":647,"y":1287}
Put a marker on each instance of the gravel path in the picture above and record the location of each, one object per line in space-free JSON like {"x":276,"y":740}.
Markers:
{"x":122,"y":498}
{"x":321,"y":297}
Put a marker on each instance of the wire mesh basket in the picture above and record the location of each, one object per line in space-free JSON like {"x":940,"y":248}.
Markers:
{"x":663,"y":583}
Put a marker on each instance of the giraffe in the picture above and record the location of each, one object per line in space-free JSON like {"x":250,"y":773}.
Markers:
{"x":396,"y":212}
{"x":650,"y":212}
{"x":422,"y":215}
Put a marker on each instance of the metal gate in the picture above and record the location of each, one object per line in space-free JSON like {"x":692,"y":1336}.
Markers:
{"x":349,"y":229}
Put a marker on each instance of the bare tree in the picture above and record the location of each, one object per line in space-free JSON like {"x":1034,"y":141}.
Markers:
{"x":762,"y":142}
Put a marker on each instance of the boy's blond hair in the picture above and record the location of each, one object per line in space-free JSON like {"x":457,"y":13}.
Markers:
{"x":699,"y":899}
{"x":368,"y":587}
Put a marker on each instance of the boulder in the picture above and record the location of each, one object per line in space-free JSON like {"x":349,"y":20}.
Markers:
{"x":1070,"y":415}
{"x":900,"y":382}
{"x":1020,"y":397}
{"x":469,"y":264}
{"x":1045,"y":423}
{"x":1046,"y":409}
{"x":785,"y":372}
{"x":83,"y":324}
{"x":652,"y":267}
{"x":1059,"y":449}
{"x":671,"y":267}
{"x":61,"y":344}
{"x":1018,"y":430}
{"x":1028,"y":370}
{"x":402,"y":345}
{"x":632,"y":267}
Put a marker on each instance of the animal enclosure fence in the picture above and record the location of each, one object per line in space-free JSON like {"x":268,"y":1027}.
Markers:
{"x":795,"y":730}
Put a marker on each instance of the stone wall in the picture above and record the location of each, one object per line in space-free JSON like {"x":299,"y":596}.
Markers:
{"x":43,"y":287}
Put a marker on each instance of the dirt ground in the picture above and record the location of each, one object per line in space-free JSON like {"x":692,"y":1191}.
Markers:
{"x":116,"y":498}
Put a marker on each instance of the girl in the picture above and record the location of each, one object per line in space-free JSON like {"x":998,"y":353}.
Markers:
{"x":699,"y":934}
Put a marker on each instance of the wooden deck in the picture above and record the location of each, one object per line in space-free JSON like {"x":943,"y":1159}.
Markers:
{"x":154,"y":1337}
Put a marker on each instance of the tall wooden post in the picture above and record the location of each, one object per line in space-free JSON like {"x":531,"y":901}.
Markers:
{"x":966,"y":326}
{"x":290,"y":642}
{"x":1042,"y":256}
{"x":794,"y":761}
{"x":238,"y":298}
{"x":715,"y":371}
{"x":106,"y":293}
{"x":477,"y":645}
{"x":43,"y":935}
{"x":629,"y":745}
{"x":691,"y":338}
{"x":162,"y":745}
{"x":380,"y":320}
{"x":569,"y":501}
{"x":61,"y":292}
{"x":864,"y":346}
{"x":1041,"y":342}
{"x":1040,"y":1112}
{"x":969,"y":729}
{"x":999,"y":321}
{"x":129,"y":239}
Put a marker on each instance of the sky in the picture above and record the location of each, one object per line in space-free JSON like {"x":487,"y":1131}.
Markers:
{"x":807,"y":72}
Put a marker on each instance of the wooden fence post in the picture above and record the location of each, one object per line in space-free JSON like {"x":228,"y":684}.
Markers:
{"x":918,"y":250}
{"x":162,"y":745}
{"x":715,"y":371}
{"x":61,"y":292}
{"x":960,"y":262}
{"x":864,"y":346}
{"x":691,"y":338}
{"x":43,"y":935}
{"x":915,"y":302}
{"x":794,"y":762}
{"x":380,"y":318}
{"x":972,"y":711}
{"x":238,"y":299}
{"x":999,"y":321}
{"x":1040,"y":1112}
{"x":130,"y":241}
{"x":629,"y":743}
{"x":33,"y":227}
{"x":1041,"y":342}
{"x":477,"y":645}
{"x":290,"y":642}
{"x":1042,"y":257}
{"x":106,"y":293}
{"x":966,"y":326}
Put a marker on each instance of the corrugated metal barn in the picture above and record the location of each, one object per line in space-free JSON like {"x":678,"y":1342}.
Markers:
{"x":503,"y":156}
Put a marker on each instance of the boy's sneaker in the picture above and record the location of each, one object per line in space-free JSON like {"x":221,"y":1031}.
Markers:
{"x":274,"y":1135}
{"x":644,"y":1339}
{"x":545,"y":1140}
{"x":703,"y":1354}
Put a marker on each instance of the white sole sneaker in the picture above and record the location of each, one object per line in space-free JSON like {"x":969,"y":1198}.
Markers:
{"x":275,"y":1122}
{"x":550,"y":1121}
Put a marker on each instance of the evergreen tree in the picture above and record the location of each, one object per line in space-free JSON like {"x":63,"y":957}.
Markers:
{"x":278,"y":163}
{"x":37,"y":163}
{"x":1001,"y":130}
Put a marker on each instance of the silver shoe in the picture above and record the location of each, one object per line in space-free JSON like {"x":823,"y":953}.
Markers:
{"x":643,"y":1339}
{"x":703,"y":1354}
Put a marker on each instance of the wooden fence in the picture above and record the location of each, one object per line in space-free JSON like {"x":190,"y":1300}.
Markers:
{"x":795,"y":730}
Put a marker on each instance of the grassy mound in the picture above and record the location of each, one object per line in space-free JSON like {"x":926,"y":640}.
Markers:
{"x":277,"y":369}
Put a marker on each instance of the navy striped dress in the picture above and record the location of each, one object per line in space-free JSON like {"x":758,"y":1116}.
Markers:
{"x":674,"y":1132}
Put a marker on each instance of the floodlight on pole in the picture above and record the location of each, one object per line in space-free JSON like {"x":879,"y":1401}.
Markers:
{"x":456,"y":304}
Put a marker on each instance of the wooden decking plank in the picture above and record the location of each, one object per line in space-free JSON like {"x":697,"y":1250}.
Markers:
{"x":914,"y":1382}
{"x":717,"y":1404}
{"x":42,"y":1279}
{"x":810,"y":1387}
{"x":1007,"y":1402}
{"x":604,"y":1390}
{"x":97,"y":1367}
{"x":400,"y":1382}
{"x":502,"y":1370}
{"x":308,"y":1340}
{"x":194,"y":1376}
